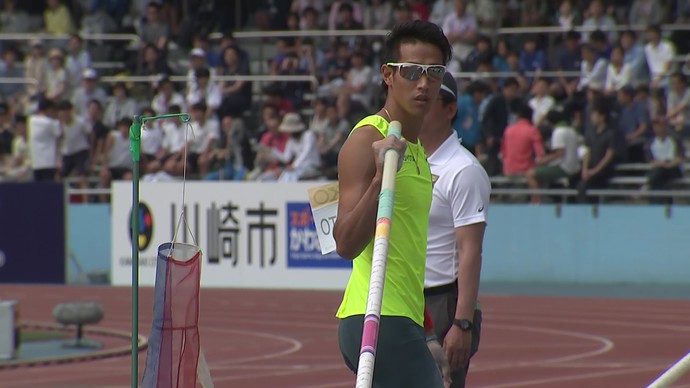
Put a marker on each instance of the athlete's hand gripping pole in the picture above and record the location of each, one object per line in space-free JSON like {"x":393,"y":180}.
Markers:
{"x":367,"y":353}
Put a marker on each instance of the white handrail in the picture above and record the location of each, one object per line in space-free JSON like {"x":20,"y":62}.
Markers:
{"x":18,"y":80}
{"x":505,"y":74}
{"x":500,"y":31}
{"x":250,"y":78}
{"x":86,"y":36}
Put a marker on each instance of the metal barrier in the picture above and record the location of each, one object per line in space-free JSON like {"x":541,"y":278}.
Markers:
{"x":602,"y":194}
{"x":498,"y":31}
{"x":250,"y":78}
{"x":88,"y":36}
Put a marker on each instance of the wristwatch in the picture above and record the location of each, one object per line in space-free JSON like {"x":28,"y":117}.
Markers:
{"x":463,"y":324}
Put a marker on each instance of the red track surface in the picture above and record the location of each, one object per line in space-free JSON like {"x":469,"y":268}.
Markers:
{"x":288,"y":339}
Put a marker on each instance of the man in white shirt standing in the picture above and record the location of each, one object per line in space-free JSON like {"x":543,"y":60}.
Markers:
{"x":457,"y":220}
{"x":44,"y":133}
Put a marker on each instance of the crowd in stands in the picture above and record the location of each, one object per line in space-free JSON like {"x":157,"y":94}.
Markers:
{"x":561,"y":107}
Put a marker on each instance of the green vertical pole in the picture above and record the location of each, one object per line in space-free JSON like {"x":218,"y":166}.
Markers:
{"x":134,"y":148}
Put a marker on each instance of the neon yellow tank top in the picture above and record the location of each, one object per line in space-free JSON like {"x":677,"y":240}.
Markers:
{"x":403,"y":289}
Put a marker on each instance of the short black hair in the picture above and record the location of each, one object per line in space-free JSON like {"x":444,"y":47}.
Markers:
{"x":522,"y":109}
{"x":418,"y":30}
{"x":654,"y":28}
{"x":557,"y":114}
{"x":680,"y":76}
{"x":200,"y":106}
{"x":45,"y":104}
{"x":572,"y":35}
{"x":202,"y":73}
{"x":510,"y":81}
{"x":64,"y":105}
{"x":601,"y":106}
{"x":597,"y":36}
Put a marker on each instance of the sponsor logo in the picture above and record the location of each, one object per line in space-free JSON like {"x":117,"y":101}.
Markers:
{"x":303,"y":249}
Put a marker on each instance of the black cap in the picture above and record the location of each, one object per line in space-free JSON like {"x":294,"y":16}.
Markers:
{"x":449,"y":87}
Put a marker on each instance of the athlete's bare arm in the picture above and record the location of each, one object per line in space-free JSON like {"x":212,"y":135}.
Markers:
{"x":360,"y":168}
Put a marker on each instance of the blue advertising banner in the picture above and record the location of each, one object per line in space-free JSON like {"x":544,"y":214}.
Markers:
{"x":32,"y":233}
{"x":303,"y":249}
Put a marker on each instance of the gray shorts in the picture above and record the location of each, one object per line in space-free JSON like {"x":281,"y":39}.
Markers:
{"x":441,"y":303}
{"x":402,"y":358}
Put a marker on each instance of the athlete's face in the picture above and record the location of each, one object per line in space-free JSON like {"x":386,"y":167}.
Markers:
{"x":414,"y":89}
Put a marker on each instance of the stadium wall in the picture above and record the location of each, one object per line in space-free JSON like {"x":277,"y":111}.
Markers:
{"x":611,"y":244}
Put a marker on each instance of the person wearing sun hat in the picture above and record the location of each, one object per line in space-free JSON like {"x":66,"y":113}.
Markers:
{"x":57,"y":82}
{"x":301,"y":154}
{"x":457,"y":219}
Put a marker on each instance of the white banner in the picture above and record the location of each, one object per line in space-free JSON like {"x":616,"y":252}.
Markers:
{"x":252,"y":235}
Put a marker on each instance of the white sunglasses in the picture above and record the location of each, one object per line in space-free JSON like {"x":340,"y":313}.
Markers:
{"x":414,"y":71}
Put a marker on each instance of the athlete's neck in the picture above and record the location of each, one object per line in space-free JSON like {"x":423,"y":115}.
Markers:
{"x":410,"y":124}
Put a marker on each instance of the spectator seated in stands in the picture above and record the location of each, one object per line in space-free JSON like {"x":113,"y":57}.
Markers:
{"x":13,"y":20}
{"x":337,"y":67}
{"x":301,"y":158}
{"x":119,"y":159}
{"x":482,"y":49}
{"x":9,"y":68}
{"x":205,"y":91}
{"x":494,"y":119}
{"x":57,"y":18}
{"x":666,"y":157}
{"x":267,"y":167}
{"x":597,"y":19}
{"x":198,"y":61}
{"x":170,"y":156}
{"x":167,"y":96}
{"x":466,"y":121}
{"x":378,"y":15}
{"x":35,"y":67}
{"x":633,"y":123}
{"x":633,"y":56}
{"x":201,"y":140}
{"x":561,"y":160}
{"x":521,"y":146}
{"x":119,"y":105}
{"x":151,"y":142}
{"x":568,"y":57}
{"x":541,"y":101}
{"x":17,"y":166}
{"x":88,"y":91}
{"x":6,"y":134}
{"x":356,"y":92}
{"x":226,"y":158}
{"x":57,"y":82}
{"x":531,"y":57}
{"x":77,"y":60}
{"x":618,"y":73}
{"x":331,"y":136}
{"x":678,"y":104}
{"x":598,"y":158}
{"x":237,"y":95}
{"x":153,"y":28}
{"x":151,"y":61}
{"x":659,"y":54}
{"x":99,"y":133}
{"x":274,"y":95}
{"x":592,"y":68}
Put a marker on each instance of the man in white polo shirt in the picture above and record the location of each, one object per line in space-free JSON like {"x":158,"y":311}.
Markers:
{"x":457,"y":220}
